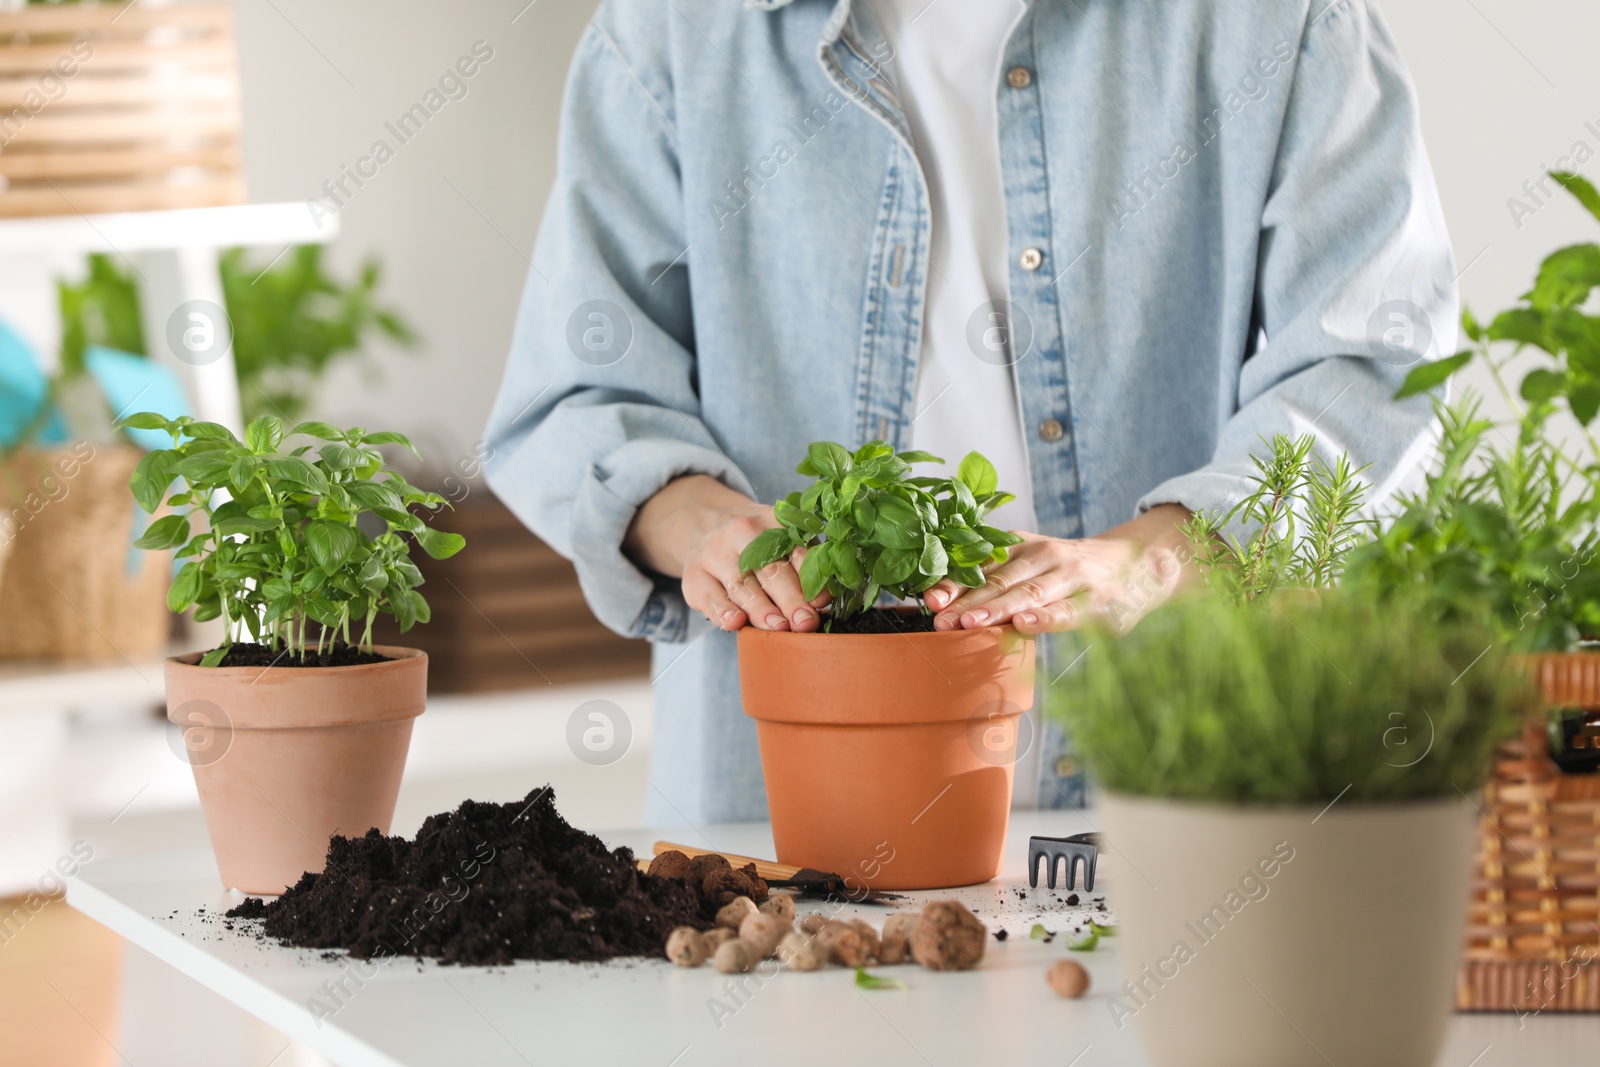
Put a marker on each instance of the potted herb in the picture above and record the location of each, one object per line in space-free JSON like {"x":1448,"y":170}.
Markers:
{"x":298,"y":725}
{"x":1287,"y":789}
{"x":887,"y":748}
{"x":1506,"y":524}
{"x":1505,"y":530}
{"x":1300,"y":522}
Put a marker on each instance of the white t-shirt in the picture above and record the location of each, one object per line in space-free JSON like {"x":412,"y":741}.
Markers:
{"x":946,"y":72}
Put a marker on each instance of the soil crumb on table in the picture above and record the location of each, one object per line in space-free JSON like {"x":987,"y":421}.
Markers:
{"x":484,"y":884}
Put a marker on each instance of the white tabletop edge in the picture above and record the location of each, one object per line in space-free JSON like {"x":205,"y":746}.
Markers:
{"x":272,"y":1008}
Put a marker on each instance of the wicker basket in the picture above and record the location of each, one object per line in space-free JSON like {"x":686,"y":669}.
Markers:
{"x":118,"y":107}
{"x":74,"y":588}
{"x":1533,"y":943}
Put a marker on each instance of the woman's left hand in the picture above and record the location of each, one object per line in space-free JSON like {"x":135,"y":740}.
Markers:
{"x":1051,"y":583}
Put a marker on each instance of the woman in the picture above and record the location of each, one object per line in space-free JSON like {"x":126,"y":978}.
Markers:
{"x":1110,"y":245}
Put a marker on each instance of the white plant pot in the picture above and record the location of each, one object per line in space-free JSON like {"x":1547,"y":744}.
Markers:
{"x":1288,"y":937}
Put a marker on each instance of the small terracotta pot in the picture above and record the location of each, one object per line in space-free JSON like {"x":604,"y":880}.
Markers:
{"x":888,"y":757}
{"x":285,"y":757}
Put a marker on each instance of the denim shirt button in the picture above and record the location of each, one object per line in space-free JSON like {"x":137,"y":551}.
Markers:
{"x":1030,"y":258}
{"x":1019,"y":77}
{"x":1052,"y":430}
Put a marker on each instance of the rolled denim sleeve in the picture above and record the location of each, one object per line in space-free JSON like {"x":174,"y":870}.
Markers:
{"x":1355,"y":277}
{"x":598,"y":408}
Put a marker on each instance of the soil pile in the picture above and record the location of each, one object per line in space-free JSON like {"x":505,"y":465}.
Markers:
{"x":484,"y":884}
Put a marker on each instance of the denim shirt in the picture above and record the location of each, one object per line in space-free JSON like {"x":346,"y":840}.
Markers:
{"x":1238,"y":236}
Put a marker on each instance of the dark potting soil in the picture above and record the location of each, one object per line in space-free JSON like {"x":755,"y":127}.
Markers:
{"x":253,"y":655}
{"x":492,"y":883}
{"x":884,"y":621}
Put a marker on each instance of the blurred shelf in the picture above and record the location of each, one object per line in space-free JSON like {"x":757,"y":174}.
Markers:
{"x":141,"y":231}
{"x":29,"y":685}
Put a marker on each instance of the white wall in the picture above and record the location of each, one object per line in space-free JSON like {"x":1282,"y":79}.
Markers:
{"x":320,"y":80}
{"x":1506,"y":87}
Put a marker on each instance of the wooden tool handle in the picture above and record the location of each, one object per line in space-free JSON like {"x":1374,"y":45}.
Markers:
{"x":765,"y":868}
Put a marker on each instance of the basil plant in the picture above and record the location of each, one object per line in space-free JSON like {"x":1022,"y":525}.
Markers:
{"x":270,"y":540}
{"x":869,"y":529}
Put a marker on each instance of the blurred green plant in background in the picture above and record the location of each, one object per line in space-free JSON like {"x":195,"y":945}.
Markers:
{"x":103,"y":310}
{"x":294,"y":320}
{"x":291,"y":322}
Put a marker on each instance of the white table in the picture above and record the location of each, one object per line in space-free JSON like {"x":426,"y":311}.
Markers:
{"x":652,"y":1014}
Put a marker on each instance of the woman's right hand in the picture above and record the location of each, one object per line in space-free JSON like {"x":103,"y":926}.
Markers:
{"x":694,"y":529}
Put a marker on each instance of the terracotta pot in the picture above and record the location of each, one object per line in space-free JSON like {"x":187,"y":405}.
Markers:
{"x":888,"y":757}
{"x":285,"y":757}
{"x":1308,"y":936}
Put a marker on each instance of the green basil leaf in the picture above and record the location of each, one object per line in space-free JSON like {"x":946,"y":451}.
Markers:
{"x":846,"y":561}
{"x":865,"y":980}
{"x":898,"y":524}
{"x":830,"y":459}
{"x":330,"y":542}
{"x":917,"y":455}
{"x":994,"y":500}
{"x":814,"y":570}
{"x":893,"y":566}
{"x":339,"y":457}
{"x":965,"y":500}
{"x":389,"y":437}
{"x":319,"y":430}
{"x":298,"y":471}
{"x":374,"y":495}
{"x":969,"y":555}
{"x":400,"y":520}
{"x":419,"y":606}
{"x":169,"y":531}
{"x":438,"y":543}
{"x":185,"y":588}
{"x":264,"y":433}
{"x":244,"y":524}
{"x":790,"y":515}
{"x":978,"y":474}
{"x":998,"y":537}
{"x":243,"y":472}
{"x":372,"y":576}
{"x":971,"y":577}
{"x":145,"y":420}
{"x":207,"y":469}
{"x":766,"y":548}
{"x":152,"y":476}
{"x":210,"y":431}
{"x":934,"y":560}
{"x":864,"y":512}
